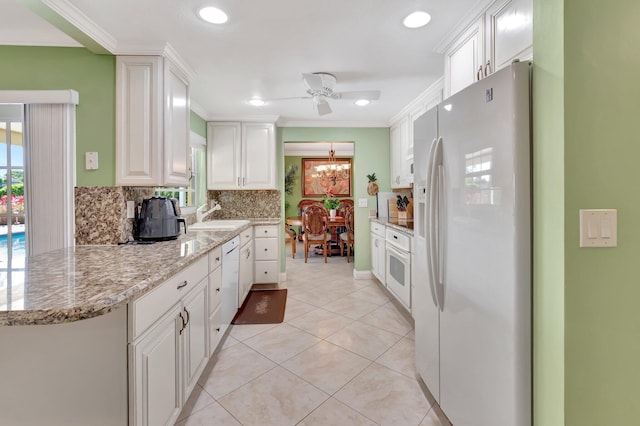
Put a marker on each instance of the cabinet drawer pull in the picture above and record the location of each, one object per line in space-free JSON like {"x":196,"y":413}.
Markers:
{"x":183,"y":323}
{"x":184,"y":284}
{"x":266,"y":231}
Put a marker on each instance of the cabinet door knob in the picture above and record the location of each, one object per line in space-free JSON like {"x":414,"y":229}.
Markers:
{"x":184,"y":284}
{"x":265,"y":272}
{"x":218,"y":329}
{"x":218,"y":289}
{"x":217,"y":258}
{"x":265,"y":249}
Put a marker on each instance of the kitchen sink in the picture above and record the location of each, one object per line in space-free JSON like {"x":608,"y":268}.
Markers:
{"x":221,"y":225}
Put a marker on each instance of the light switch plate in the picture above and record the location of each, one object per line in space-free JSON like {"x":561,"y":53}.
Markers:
{"x":363,"y":202}
{"x":91,"y":160}
{"x":598,"y":228}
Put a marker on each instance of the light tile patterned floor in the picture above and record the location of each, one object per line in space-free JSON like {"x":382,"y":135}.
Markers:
{"x":343,"y":356}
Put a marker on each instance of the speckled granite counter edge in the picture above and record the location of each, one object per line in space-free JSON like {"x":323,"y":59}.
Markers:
{"x":86,"y":311}
{"x":385,"y":221}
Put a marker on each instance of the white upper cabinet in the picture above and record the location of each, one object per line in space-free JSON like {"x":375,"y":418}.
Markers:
{"x":508,"y":32}
{"x":241,"y":156}
{"x":152,"y":122}
{"x":401,"y":135}
{"x":501,"y":33}
{"x":463,"y":60}
{"x":401,"y":154}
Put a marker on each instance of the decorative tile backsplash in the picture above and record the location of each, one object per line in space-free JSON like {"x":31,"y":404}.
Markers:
{"x":246,"y":204}
{"x":101,"y":211}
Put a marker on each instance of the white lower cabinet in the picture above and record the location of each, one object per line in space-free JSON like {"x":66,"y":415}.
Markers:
{"x":378,"y":251}
{"x":155,"y":397}
{"x":194,"y":336}
{"x":168,"y":353}
{"x":267,"y":262}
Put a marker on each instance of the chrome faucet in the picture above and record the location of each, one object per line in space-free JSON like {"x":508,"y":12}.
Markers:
{"x":201,"y":214}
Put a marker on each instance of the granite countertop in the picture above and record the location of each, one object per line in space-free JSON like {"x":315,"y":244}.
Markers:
{"x":405,"y":226}
{"x":82,"y":282}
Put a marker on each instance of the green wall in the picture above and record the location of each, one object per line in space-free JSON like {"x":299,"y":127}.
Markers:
{"x":198,"y":125}
{"x":548,"y":213}
{"x":93,"y":76}
{"x":371,"y":154}
{"x":602,"y":287}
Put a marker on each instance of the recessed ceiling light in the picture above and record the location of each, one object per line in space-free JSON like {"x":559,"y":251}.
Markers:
{"x":417,"y":19}
{"x":213,"y":15}
{"x":256,"y":102}
{"x":362,"y":102}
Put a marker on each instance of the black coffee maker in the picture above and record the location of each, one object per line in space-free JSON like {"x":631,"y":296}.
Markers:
{"x":158,"y":220}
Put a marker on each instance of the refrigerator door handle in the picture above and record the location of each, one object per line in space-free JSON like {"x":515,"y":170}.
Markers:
{"x":437,"y":172}
{"x":442,"y":216}
{"x":430,"y":221}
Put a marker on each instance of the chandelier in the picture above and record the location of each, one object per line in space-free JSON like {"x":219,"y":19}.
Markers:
{"x":332,"y":171}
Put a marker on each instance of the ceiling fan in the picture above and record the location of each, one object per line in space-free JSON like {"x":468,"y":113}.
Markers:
{"x":320,"y":87}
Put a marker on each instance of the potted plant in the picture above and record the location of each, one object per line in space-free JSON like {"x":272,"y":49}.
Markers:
{"x":372,"y":186}
{"x":332,"y":204}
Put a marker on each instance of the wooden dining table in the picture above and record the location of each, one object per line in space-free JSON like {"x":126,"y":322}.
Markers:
{"x":332,"y":223}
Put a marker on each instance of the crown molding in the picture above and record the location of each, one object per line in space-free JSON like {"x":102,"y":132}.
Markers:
{"x":198,"y":109}
{"x":420,"y":100}
{"x":163,"y":49}
{"x":472,"y":15}
{"x":310,"y":123}
{"x":245,"y":118}
{"x":83,"y":27}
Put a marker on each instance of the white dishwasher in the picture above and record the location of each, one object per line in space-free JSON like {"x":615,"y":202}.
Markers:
{"x":230,"y":271}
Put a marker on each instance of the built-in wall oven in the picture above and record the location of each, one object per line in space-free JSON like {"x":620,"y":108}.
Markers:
{"x":398,"y":265}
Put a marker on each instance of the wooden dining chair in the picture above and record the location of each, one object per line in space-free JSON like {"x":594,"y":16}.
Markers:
{"x":290,"y":236}
{"x":314,"y":224}
{"x":347,"y":238}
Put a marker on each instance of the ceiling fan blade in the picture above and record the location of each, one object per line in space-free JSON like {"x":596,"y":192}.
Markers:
{"x":372,"y":95}
{"x":313,"y":81}
{"x":323,"y":107}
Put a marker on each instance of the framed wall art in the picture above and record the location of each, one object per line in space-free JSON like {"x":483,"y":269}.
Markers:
{"x":331,"y":176}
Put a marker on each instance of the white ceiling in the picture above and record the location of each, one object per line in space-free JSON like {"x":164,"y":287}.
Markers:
{"x":267,"y":45}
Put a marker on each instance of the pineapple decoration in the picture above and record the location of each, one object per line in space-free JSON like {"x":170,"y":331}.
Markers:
{"x":372,"y":186}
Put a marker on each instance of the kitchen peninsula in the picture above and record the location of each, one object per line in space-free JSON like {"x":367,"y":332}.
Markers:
{"x":67,"y":343}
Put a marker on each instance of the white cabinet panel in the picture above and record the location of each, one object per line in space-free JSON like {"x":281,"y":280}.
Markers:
{"x":152,"y":122}
{"x":509,"y":26}
{"x":464,"y":59}
{"x":378,"y":256}
{"x":266,"y":248}
{"x":155,"y":373}
{"x":246,"y":272}
{"x":176,"y":128}
{"x":196,"y":351}
{"x":258,"y":156}
{"x":241,"y":156}
{"x":401,"y":154}
{"x":223,"y":155}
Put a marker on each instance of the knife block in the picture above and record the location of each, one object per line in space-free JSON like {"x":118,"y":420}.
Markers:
{"x":393,"y":210}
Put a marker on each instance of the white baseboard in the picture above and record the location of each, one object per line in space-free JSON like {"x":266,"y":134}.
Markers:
{"x":283,"y":277}
{"x":362,"y":275}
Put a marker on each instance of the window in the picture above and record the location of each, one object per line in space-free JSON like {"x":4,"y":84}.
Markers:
{"x":195,"y":194}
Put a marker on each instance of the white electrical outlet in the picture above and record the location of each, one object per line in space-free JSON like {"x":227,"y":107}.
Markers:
{"x":91,"y":160}
{"x":130,"y":209}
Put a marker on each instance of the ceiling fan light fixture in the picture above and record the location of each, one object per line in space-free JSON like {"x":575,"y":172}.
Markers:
{"x":417,"y":19}
{"x":213,"y":15}
{"x":257,"y":102}
{"x":362,"y":102}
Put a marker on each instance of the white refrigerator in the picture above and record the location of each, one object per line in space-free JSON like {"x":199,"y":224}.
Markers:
{"x":472,"y":251}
